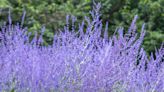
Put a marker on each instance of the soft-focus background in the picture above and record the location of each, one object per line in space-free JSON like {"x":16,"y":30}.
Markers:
{"x":52,"y":13}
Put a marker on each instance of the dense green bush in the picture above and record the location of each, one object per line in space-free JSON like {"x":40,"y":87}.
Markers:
{"x":52,"y":13}
{"x":119,"y":12}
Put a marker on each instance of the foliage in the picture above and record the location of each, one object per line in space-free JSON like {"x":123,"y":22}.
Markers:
{"x":39,"y":12}
{"x":51,"y":13}
{"x":119,"y":12}
{"x":79,"y":61}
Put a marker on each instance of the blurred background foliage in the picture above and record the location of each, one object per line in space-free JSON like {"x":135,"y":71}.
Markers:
{"x":52,"y":13}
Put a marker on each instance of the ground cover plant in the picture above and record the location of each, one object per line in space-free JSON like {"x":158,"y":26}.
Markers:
{"x":83,"y":59}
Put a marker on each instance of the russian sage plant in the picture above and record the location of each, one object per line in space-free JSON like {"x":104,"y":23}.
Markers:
{"x":83,"y":59}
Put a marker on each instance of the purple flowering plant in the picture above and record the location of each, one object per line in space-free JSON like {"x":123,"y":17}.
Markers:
{"x":83,"y":59}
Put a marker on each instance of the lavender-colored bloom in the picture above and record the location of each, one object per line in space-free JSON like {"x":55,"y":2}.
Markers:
{"x":83,"y":60}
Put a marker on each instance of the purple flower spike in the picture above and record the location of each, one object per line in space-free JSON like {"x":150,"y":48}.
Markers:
{"x":79,"y":60}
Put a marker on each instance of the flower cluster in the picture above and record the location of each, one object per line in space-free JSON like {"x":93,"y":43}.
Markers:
{"x":83,"y":59}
